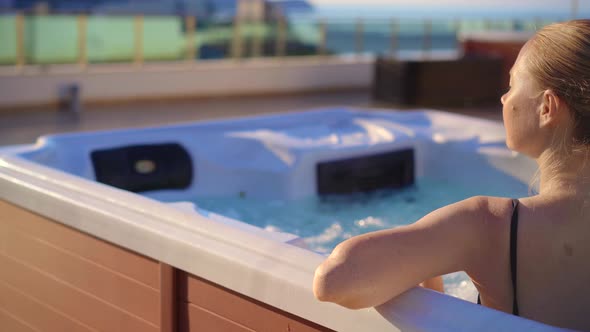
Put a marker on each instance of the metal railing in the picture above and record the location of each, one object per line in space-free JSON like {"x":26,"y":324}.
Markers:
{"x":238,"y":39}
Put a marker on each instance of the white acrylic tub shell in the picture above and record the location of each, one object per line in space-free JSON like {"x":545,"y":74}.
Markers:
{"x":54,"y":179}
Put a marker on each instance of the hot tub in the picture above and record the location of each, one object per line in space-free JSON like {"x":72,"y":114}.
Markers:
{"x":100,"y":230}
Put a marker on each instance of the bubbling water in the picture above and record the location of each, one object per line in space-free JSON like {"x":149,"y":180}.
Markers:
{"x":323,"y":222}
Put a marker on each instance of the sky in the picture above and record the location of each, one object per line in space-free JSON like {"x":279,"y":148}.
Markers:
{"x":584,"y":5}
{"x":561,"y":7}
{"x":476,"y":3}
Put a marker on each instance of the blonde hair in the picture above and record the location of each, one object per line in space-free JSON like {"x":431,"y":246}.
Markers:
{"x":558,"y":58}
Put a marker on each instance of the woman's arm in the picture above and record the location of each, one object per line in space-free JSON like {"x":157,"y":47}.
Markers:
{"x":369,"y":269}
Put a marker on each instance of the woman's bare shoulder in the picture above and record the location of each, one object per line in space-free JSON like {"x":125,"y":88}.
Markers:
{"x":496,"y":211}
{"x":479,"y":221}
{"x":476,"y":214}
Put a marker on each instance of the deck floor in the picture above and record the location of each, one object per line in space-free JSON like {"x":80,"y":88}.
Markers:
{"x":24,"y":126}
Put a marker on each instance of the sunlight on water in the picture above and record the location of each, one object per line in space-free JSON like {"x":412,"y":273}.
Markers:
{"x":325,"y":222}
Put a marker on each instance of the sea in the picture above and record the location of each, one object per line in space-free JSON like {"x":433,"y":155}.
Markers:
{"x":383,"y":29}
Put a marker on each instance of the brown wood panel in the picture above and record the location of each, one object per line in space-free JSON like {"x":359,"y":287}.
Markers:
{"x":35,"y":314}
{"x":506,"y":49}
{"x":113,"y":288}
{"x":133,"y":265}
{"x":64,"y":298}
{"x":238,"y":308}
{"x":10,"y":323}
{"x":168,"y":303}
{"x":196,"y":319}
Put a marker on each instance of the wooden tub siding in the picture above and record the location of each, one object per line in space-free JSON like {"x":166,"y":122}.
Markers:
{"x":81,"y":274}
{"x":196,"y":319}
{"x":22,"y":306}
{"x":206,"y":306}
{"x":13,"y":324}
{"x":56,"y":278}
{"x":168,"y":298}
{"x":137,"y":267}
{"x":70,"y":301}
{"x":75,"y":279}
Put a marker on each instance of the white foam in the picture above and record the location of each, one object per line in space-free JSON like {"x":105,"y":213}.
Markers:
{"x":459,"y":285}
{"x":370,"y":221}
{"x":322,"y":242}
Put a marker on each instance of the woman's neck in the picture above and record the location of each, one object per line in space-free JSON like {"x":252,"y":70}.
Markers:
{"x":565,"y":175}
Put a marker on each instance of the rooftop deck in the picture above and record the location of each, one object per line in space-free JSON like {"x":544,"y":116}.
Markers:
{"x":23,"y":126}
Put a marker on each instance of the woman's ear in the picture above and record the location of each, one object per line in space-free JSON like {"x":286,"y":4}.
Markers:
{"x":551,"y":109}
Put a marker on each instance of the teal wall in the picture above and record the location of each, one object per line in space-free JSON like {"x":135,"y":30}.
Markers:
{"x":7,"y":40}
{"x":163,"y":38}
{"x":54,"y":39}
{"x":51,"y":39}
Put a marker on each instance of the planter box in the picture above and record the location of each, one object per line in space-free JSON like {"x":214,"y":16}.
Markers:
{"x":457,"y":82}
{"x":505,"y":45}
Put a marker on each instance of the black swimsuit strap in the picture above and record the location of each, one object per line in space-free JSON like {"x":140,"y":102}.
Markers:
{"x":513,"y":256}
{"x":513,"y":247}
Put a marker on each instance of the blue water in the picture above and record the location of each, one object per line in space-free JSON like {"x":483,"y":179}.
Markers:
{"x":325,"y":222}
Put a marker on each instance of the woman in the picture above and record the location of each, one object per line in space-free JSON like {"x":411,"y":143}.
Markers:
{"x":529,"y":257}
